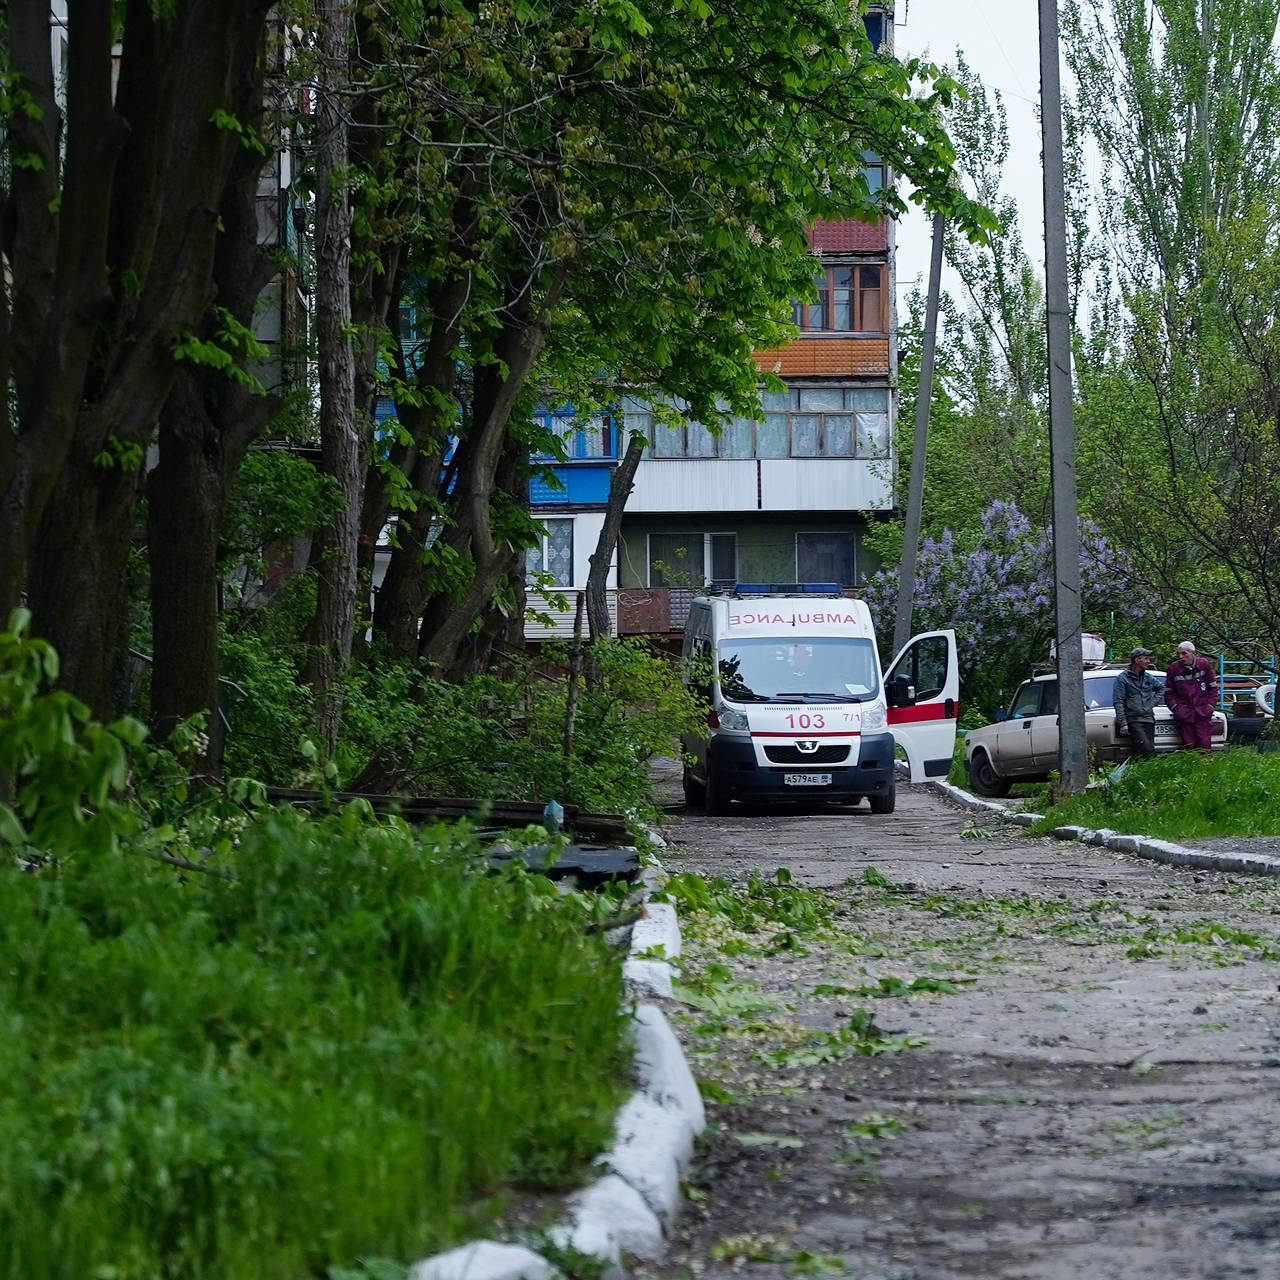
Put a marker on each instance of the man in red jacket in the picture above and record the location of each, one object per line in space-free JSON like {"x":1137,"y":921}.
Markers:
{"x":1191,"y":690}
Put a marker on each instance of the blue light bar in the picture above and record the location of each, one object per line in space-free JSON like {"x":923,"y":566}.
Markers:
{"x":787,"y":588}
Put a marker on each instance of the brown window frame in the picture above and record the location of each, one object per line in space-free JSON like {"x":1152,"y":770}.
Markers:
{"x":864,"y":302}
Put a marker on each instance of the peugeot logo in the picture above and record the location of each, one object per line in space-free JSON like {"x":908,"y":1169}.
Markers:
{"x":807,"y":745}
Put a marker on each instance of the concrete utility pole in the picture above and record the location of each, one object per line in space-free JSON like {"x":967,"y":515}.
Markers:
{"x":1073,"y":764}
{"x":919,"y":445}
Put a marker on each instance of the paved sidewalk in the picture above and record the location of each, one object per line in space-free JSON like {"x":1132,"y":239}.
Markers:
{"x":1095,"y":1097}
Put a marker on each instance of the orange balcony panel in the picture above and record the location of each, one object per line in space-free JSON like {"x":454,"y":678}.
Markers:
{"x":827,"y":357}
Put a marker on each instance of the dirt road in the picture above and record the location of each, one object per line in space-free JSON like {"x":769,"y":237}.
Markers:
{"x":1067,"y":1065}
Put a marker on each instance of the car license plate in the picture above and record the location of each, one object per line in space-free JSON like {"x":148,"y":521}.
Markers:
{"x":807,"y":779}
{"x":1166,"y":730}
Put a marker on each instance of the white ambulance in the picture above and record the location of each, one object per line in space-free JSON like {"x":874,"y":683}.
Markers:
{"x":800,"y":707}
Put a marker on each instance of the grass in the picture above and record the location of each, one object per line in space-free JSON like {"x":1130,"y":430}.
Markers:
{"x":349,"y":1052}
{"x":1183,"y":796}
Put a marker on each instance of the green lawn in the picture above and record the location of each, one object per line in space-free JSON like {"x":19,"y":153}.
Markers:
{"x":350,"y":1051}
{"x":1183,"y":796}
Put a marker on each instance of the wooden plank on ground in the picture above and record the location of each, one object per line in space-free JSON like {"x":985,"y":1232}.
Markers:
{"x":604,"y":828}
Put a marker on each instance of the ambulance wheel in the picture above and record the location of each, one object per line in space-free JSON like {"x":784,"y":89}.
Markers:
{"x":884,"y":803}
{"x":984,"y":779}
{"x":695,"y":794}
{"x":715,"y":801}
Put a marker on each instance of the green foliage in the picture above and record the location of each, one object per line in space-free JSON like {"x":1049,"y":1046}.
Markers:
{"x":231,"y":343}
{"x":859,"y":1036}
{"x":757,"y":905}
{"x":501,"y":735}
{"x":119,"y":453}
{"x":240,"y":1043}
{"x":249,"y":138}
{"x":337,"y":1054}
{"x":876,"y":878}
{"x":890,"y":986}
{"x":268,"y":702}
{"x":1178,"y":375}
{"x":1182,"y":796}
{"x":62,"y":773}
{"x":277,"y":497}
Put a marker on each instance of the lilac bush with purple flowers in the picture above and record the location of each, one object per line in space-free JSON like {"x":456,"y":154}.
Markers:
{"x":997,"y":594}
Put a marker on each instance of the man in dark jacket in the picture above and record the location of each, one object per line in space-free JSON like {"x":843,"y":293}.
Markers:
{"x":1136,"y":695}
{"x":1191,"y":690}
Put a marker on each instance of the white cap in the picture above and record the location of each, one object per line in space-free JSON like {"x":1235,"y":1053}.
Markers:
{"x":1186,"y":644}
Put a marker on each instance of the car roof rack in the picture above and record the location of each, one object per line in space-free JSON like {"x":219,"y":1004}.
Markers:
{"x":740,"y":590}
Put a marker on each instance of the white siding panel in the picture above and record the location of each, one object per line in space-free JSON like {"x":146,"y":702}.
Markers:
{"x":826,"y":484}
{"x":586,"y":533}
{"x":695,"y":487}
{"x":562,"y":619}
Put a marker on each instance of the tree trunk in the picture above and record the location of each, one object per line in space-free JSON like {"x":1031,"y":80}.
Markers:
{"x":108,"y":274}
{"x":186,"y":498}
{"x":78,"y":584}
{"x":620,"y":485}
{"x":206,"y":428}
{"x":397,"y":614}
{"x":448,"y":620}
{"x":341,"y":454}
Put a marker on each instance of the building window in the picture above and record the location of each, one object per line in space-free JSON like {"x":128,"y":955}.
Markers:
{"x":801,"y":422}
{"x":408,"y":319}
{"x":874,"y":23}
{"x":553,"y":555}
{"x":825,"y":557}
{"x":850,"y":299}
{"x":692,"y":559}
{"x":579,"y":439}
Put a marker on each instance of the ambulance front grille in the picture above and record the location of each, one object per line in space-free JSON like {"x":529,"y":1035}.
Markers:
{"x":793,"y":755}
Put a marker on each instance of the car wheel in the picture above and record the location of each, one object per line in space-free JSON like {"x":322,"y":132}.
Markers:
{"x":695,"y":794}
{"x":884,"y":803}
{"x":715,"y":800}
{"x":984,"y":779}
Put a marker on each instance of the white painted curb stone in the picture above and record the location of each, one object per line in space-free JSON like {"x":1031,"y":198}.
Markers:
{"x":648,"y":978}
{"x":658,"y":927}
{"x":610,"y":1218}
{"x":663,"y":1067}
{"x":485,"y":1260}
{"x":644,"y":973}
{"x":653,"y":1147}
{"x":1166,"y":851}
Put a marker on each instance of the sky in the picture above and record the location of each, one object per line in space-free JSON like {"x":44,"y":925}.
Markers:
{"x":1000,"y":41}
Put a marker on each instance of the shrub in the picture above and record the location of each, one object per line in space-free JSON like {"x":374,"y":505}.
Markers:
{"x":502,"y":735}
{"x":312,"y":1040}
{"x":995,"y":589}
{"x":341,"y":1052}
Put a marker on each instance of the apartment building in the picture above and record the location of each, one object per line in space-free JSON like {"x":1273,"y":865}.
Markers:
{"x":784,"y":498}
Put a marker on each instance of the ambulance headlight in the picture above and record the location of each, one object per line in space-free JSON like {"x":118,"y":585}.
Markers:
{"x":873,"y":718}
{"x":734,"y":721}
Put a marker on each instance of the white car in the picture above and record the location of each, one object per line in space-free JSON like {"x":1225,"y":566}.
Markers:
{"x":1022,"y":746}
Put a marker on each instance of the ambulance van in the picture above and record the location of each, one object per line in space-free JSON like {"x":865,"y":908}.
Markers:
{"x":800,"y":706}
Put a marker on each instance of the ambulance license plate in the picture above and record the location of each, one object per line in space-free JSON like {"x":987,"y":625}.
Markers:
{"x":807,"y":779}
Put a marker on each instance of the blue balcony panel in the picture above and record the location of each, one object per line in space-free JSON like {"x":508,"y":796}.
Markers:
{"x":579,"y":486}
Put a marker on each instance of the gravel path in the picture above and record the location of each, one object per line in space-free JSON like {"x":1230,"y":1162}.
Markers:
{"x":1082,"y":1082}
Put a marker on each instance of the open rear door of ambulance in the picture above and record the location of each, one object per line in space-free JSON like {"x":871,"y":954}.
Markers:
{"x":922,"y":689}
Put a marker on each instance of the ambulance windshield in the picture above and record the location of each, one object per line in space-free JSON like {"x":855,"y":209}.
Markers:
{"x":800,"y":669}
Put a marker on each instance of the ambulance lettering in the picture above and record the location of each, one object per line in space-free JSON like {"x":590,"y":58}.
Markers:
{"x":766,"y":619}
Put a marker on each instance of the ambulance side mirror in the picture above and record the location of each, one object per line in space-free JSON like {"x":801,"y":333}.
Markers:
{"x":899,"y":692}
